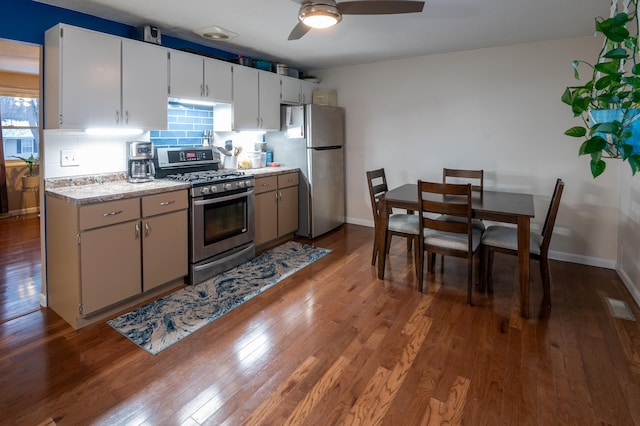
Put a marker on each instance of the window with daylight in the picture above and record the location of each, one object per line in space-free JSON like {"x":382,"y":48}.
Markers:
{"x":20,"y":126}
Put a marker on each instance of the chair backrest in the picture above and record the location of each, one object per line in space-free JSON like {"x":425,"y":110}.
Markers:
{"x":445,"y":198}
{"x":377,"y":186}
{"x":550,"y":220}
{"x":474,"y":177}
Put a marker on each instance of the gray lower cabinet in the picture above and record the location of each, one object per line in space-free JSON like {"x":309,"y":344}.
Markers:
{"x":276,"y":204}
{"x":100,"y":255}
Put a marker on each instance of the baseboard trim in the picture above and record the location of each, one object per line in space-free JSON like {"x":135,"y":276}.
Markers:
{"x":628,"y":283}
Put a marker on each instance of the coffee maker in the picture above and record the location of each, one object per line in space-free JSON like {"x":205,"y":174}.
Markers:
{"x":140,"y":166}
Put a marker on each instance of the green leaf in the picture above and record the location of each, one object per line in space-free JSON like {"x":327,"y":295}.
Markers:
{"x":592,"y":145}
{"x":609,"y":127}
{"x":566,"y":96}
{"x":597,"y":167}
{"x":634,"y":162}
{"x":610,"y":67}
{"x":626,"y":150}
{"x":618,"y":53}
{"x":604,"y":82}
{"x":576,"y":132}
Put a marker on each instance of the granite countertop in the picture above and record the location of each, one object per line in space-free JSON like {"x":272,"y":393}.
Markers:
{"x":99,"y":188}
{"x":109,"y":187}
{"x":270,"y":171}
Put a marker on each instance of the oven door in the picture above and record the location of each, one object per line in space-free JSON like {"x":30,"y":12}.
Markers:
{"x":220,"y":223}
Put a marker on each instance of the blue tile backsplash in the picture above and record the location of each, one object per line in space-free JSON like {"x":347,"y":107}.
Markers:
{"x":187,"y":124}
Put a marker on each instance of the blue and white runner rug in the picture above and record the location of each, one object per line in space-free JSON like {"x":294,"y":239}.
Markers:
{"x":163,"y":322}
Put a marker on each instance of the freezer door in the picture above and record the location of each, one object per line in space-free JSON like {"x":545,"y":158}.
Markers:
{"x":326,"y":190}
{"x":324,"y":126}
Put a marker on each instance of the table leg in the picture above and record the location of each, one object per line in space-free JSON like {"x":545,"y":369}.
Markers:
{"x":524,"y":235}
{"x":382,"y":238}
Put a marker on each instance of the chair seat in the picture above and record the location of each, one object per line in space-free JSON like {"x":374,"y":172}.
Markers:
{"x":507,"y":238}
{"x":451,"y":240}
{"x":405,"y":223}
{"x":475,"y":223}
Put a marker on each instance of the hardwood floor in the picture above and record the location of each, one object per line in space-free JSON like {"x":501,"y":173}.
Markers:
{"x":20,"y":271}
{"x":334,"y":345}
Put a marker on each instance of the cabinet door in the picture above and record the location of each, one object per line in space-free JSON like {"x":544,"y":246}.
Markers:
{"x":89,"y":87}
{"x":217,"y":80}
{"x":145,"y":85}
{"x":287,"y":210}
{"x":266,"y":207}
{"x":290,"y":90}
{"x":269,"y":84}
{"x":185,"y":75}
{"x":109,"y":265}
{"x":164,"y":248}
{"x":245,"y":98}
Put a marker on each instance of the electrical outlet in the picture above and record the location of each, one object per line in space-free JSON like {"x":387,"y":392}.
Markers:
{"x":69,"y":158}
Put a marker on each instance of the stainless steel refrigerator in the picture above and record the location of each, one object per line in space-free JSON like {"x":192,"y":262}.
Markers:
{"x":312,"y":139}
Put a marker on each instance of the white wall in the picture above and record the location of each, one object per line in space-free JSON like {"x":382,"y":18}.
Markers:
{"x":498,"y":109}
{"x":96,"y":154}
{"x":629,"y":252}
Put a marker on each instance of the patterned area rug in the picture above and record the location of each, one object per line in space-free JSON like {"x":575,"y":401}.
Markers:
{"x":163,"y":322}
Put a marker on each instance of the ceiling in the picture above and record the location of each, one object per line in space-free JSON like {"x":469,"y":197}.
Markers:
{"x":443,"y":26}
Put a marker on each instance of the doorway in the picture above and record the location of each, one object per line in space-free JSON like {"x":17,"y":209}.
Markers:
{"x":20,"y":136}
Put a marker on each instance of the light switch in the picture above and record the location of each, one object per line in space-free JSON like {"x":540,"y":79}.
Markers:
{"x":69,"y":158}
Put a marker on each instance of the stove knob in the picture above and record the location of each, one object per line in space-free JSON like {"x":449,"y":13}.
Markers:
{"x":241,"y":184}
{"x":248,"y":183}
{"x":214,"y":188}
{"x":204,"y":190}
{"x":227,"y":187}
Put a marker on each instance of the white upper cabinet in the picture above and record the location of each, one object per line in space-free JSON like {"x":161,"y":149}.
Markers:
{"x":98,"y":80}
{"x":295,"y":91}
{"x":144,"y":85}
{"x":198,"y":78}
{"x":256,"y":99}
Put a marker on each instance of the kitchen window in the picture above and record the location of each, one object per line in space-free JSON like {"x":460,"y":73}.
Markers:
{"x":20,"y":124}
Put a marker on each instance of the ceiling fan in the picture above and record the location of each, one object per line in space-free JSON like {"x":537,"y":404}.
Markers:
{"x":325,"y":13}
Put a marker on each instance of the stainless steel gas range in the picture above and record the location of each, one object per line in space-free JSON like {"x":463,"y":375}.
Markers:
{"x":221,"y":209}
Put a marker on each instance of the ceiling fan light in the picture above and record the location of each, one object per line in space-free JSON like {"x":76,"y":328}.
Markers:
{"x":319,"y":15}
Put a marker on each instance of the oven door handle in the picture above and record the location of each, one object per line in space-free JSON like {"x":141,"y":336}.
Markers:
{"x":221,"y":199}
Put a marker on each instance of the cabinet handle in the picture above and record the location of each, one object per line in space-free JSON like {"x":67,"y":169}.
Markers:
{"x":206,"y":90}
{"x":126,"y":115}
{"x":137,"y":231}
{"x":112,"y":213}
{"x":201,"y":90}
{"x":147,"y":229}
{"x":117,"y":117}
{"x":167,"y":203}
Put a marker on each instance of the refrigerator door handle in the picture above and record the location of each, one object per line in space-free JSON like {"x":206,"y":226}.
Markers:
{"x":325,"y":148}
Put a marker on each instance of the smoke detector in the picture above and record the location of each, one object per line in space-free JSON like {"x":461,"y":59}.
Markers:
{"x":215,"y":33}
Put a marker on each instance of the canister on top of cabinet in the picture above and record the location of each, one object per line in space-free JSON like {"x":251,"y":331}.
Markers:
{"x":325,"y":97}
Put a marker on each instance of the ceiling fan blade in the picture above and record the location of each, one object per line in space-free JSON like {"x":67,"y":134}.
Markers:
{"x":298,"y":31}
{"x":380,"y":7}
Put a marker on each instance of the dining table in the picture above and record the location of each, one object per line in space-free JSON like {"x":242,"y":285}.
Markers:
{"x":491,"y":205}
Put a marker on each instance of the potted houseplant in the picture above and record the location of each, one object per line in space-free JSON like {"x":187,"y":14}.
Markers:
{"x":29,"y":180}
{"x":609,"y":102}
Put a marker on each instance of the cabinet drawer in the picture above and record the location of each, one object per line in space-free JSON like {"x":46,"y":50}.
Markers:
{"x":164,"y":203}
{"x":266,"y":184}
{"x":289,"y":179}
{"x":108,"y":213}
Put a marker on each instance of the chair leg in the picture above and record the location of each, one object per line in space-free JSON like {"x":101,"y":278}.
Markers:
{"x":374,"y":254}
{"x":487,"y":264}
{"x":546,"y":284}
{"x":409,"y":241}
{"x":469,"y":279}
{"x":386,"y":249}
{"x":416,"y":254}
{"x":432,"y":262}
{"x":420,"y":270}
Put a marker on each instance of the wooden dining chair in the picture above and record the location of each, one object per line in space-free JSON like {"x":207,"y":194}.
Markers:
{"x":504,"y":239}
{"x":450,"y":238}
{"x":400,"y":224}
{"x":475,"y":178}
